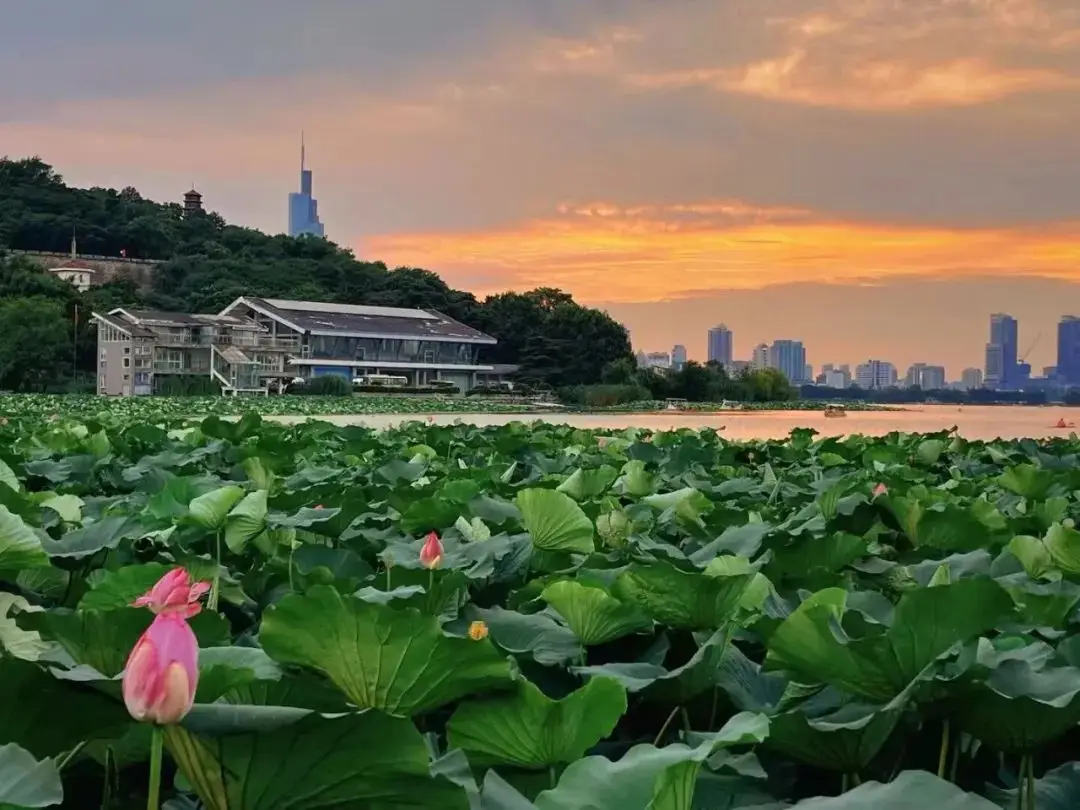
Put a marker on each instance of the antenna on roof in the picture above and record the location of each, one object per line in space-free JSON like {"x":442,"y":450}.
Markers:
{"x":301,"y":150}
{"x":73,"y":252}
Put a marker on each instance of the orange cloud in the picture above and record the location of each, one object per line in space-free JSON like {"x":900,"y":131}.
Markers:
{"x":604,"y":252}
{"x":876,"y":84}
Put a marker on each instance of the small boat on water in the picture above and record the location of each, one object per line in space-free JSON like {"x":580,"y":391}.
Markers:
{"x":835,"y":412}
{"x":673,"y":404}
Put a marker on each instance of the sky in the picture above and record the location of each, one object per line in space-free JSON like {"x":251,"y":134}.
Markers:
{"x":873,"y":177}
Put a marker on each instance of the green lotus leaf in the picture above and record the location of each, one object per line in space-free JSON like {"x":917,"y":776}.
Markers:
{"x":274,"y":758}
{"x":20,"y":546}
{"x":554,"y":521}
{"x":27,"y":782}
{"x":398,"y":661}
{"x":812,"y":646}
{"x":592,"y":613}
{"x":246,"y":520}
{"x":210,"y":510}
{"x":910,"y":790}
{"x":1058,"y":789}
{"x":679,"y":598}
{"x":530,"y":730}
{"x":541,"y":636}
{"x":647,"y":777}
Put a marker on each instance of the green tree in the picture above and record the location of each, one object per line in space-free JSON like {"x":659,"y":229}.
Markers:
{"x":35,"y":353}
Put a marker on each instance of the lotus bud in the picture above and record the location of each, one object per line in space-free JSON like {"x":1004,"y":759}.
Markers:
{"x":431,"y":553}
{"x":162,"y":671}
{"x":881,"y":489}
{"x":478,"y":631}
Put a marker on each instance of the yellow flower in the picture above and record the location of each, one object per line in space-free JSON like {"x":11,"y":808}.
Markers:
{"x":478,"y":631}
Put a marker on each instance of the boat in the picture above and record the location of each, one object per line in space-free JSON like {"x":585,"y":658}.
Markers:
{"x":835,"y":412}
{"x":673,"y":404}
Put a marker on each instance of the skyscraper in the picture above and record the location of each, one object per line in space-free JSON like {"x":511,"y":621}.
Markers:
{"x":721,"y":345}
{"x":1002,"y":369}
{"x":303,"y":208}
{"x":875,"y":374}
{"x":789,"y":358}
{"x":1068,"y":350}
{"x":678,"y":356}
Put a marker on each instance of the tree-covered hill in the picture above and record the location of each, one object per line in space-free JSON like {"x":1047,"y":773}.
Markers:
{"x":206,"y":263}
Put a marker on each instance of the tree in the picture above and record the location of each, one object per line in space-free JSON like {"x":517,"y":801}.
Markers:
{"x":207,"y":263}
{"x":35,"y":354}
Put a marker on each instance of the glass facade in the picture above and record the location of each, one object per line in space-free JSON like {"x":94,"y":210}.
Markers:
{"x":393,"y":350}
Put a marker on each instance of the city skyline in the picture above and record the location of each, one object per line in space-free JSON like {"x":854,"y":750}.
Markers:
{"x":303,"y":207}
{"x":787,"y":161}
{"x":1004,"y":364}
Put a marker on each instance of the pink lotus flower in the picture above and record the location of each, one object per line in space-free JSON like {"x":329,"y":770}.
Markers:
{"x":162,"y":671}
{"x":174,"y":594}
{"x":431,"y":553}
{"x":881,"y":489}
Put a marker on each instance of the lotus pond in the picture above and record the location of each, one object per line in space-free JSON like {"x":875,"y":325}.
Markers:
{"x":616,"y":620}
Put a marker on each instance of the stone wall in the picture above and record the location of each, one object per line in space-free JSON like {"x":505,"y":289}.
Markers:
{"x":109,"y":268}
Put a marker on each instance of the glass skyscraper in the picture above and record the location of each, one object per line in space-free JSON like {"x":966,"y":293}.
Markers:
{"x":721,"y":345}
{"x":304,"y":208}
{"x":1068,"y":350}
{"x":1002,"y":366}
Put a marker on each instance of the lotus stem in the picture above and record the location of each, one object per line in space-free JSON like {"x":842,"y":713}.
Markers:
{"x":215,"y":585}
{"x":63,"y":761}
{"x":843,"y":783}
{"x":856,"y":780}
{"x":664,"y":728}
{"x":685,"y":719}
{"x":1031,"y":782}
{"x":157,"y":739}
{"x":943,"y":755}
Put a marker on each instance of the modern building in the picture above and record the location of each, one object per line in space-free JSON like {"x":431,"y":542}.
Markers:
{"x":678,"y":356}
{"x":303,"y":207}
{"x":760,"y":358}
{"x":789,"y":358}
{"x":875,"y":374}
{"x":255,"y":341}
{"x":1002,"y":367}
{"x":721,"y":345}
{"x":971,"y":378}
{"x":1068,"y":351}
{"x":836,"y":377}
{"x":738,"y":367}
{"x":925,"y":376}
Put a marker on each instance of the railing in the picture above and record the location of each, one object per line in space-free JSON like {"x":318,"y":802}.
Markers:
{"x":286,"y":343}
{"x":173,"y":368}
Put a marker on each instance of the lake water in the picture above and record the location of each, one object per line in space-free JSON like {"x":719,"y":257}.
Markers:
{"x":973,"y":422}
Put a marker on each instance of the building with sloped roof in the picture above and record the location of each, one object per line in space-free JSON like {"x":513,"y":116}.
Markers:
{"x":255,"y":343}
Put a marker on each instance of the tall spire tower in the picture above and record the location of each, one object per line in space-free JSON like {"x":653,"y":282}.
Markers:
{"x":303,"y":207}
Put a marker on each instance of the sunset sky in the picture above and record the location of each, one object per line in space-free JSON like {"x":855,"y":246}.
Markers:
{"x":874,"y":177}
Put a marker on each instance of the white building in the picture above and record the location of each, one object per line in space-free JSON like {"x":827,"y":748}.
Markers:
{"x":658,"y":360}
{"x":971,"y":378}
{"x":875,"y":374}
{"x":925,"y":376}
{"x":78,"y":273}
{"x":760,"y":358}
{"x":678,"y":356}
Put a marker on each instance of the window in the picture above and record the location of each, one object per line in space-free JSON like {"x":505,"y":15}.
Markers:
{"x":127,"y":377}
{"x":127,"y":350}
{"x":101,"y":381}
{"x":103,"y":364}
{"x":104,"y":353}
{"x":127,"y":362}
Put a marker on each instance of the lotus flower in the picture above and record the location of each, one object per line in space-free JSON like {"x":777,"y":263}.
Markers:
{"x":478,"y":630}
{"x":881,"y":489}
{"x":174,"y":594}
{"x":162,"y":670}
{"x":431,"y":553}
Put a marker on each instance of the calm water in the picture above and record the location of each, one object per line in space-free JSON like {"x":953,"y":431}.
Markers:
{"x":973,"y":422}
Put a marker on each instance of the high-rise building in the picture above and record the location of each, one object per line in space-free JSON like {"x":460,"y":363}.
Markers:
{"x":1002,"y":368}
{"x":971,"y":378}
{"x":658,"y":360}
{"x":721,"y":345}
{"x":789,"y":358}
{"x":303,"y":207}
{"x":760,"y":358}
{"x":925,"y":376}
{"x":833,"y":376}
{"x":875,"y":374}
{"x":1068,"y":350}
{"x":678,"y":356}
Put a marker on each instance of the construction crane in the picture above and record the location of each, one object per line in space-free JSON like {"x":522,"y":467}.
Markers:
{"x":1034,"y":343}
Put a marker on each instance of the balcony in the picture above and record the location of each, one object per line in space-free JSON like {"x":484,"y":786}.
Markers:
{"x":243,"y":340}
